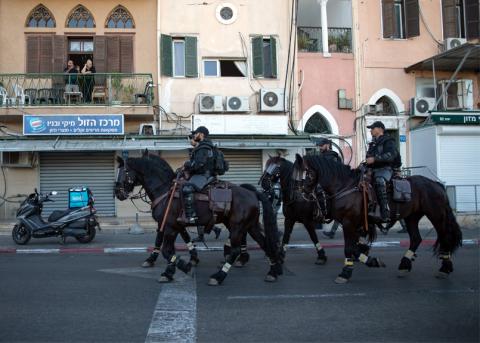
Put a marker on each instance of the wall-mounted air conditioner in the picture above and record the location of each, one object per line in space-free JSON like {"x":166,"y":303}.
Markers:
{"x":273,"y":100}
{"x":451,"y":43}
{"x":420,"y":106}
{"x":237,"y":104}
{"x":372,"y":109}
{"x":459,"y":94}
{"x":210,"y":103}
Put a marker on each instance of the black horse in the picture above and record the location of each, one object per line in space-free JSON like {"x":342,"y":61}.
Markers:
{"x":429,"y":199}
{"x":156,"y":176}
{"x":296,"y":207}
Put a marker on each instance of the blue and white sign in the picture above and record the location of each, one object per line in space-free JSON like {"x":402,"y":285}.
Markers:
{"x":73,"y":124}
{"x":403,"y":138}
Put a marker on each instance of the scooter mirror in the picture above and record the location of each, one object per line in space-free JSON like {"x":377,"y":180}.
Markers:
{"x":53,"y":193}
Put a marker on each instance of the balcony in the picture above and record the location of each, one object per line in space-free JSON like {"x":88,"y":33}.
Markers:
{"x":309,"y":39}
{"x":58,"y":90}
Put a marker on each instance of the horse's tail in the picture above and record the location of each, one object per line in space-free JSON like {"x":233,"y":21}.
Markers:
{"x":453,"y":234}
{"x":269,"y":222}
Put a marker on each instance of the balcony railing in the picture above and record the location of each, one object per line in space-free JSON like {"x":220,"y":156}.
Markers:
{"x":309,"y":39}
{"x":100,"y":89}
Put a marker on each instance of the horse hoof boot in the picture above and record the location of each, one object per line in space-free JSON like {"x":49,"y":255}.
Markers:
{"x":213,"y":282}
{"x":321,"y":261}
{"x":147,"y":264}
{"x":164,"y":279}
{"x":340,"y":280}
{"x":441,"y":275}
{"x":270,"y":278}
{"x":403,"y":272}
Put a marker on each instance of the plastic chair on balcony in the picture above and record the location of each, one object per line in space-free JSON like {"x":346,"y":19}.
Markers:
{"x":146,"y":96}
{"x":100,"y":93}
{"x":30,"y":96}
{"x":6,"y":100}
{"x":58,"y":94}
{"x":45,"y":95}
{"x":72,"y":91}
{"x":20,"y":95}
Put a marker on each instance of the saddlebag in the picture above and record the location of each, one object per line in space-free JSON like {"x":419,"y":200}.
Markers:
{"x":402,"y":191}
{"x":220,"y":199}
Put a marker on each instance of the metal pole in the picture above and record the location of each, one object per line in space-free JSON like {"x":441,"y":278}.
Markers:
{"x":434,"y":84}
{"x":476,"y":200}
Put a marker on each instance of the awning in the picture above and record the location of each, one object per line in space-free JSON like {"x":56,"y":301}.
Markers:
{"x":449,"y":60}
{"x":109,"y":144}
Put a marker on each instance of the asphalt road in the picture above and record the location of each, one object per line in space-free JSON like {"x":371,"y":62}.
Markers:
{"x":108,"y":298}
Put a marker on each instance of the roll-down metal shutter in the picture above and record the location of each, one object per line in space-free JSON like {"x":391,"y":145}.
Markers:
{"x":61,"y":171}
{"x":245,"y":166}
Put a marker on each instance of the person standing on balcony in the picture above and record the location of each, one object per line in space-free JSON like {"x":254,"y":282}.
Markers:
{"x":71,"y":77}
{"x":88,"y":80}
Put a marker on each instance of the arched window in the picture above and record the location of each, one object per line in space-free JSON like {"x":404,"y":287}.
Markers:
{"x":40,"y":16}
{"x":80,"y":18}
{"x":317,"y":124}
{"x":120,"y":18}
{"x":386,"y":107}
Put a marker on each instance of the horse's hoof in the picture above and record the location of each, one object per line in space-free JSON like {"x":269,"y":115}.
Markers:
{"x":270,"y":278}
{"x":321,"y":261}
{"x":403,"y":273}
{"x":194,"y":262}
{"x":164,"y":279}
{"x":340,"y":280}
{"x":441,"y":275}
{"x":238,"y":264}
{"x":213,"y":282}
{"x":147,"y":264}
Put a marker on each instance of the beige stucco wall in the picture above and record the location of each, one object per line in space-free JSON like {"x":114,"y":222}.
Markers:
{"x":265,"y":17}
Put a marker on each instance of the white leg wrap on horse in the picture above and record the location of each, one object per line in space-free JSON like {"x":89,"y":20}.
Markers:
{"x":190,"y":246}
{"x":285,"y":247}
{"x":318,"y":246}
{"x":409,"y":254}
{"x":228,"y":243}
{"x":348,"y":262}
{"x":173,"y":259}
{"x":226,"y":267}
{"x":362,"y":240}
{"x":363,"y":258}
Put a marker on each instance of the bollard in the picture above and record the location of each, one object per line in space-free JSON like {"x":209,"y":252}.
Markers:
{"x":136,"y":229}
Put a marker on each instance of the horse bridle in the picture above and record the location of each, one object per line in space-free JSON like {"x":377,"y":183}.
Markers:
{"x":273,"y":170}
{"x":128,"y":180}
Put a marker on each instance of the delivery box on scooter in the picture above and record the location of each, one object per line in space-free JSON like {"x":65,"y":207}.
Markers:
{"x":79,"y":197}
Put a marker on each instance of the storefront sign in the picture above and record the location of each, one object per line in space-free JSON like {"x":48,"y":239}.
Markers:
{"x":73,"y":124}
{"x":456,"y":119}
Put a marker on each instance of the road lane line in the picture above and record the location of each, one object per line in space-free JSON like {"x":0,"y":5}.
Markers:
{"x":295,"y":296}
{"x":175,"y":316}
{"x":38,"y":251}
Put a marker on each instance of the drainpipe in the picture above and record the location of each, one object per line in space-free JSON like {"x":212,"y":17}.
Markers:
{"x":323,"y":4}
{"x":159,"y":72}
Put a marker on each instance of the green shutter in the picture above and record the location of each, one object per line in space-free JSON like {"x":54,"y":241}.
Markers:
{"x":257,"y":56}
{"x":166,"y":55}
{"x":273,"y":55}
{"x":191,"y":64}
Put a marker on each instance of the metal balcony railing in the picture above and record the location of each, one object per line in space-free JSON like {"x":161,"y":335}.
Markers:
{"x":309,"y":39}
{"x":58,"y":89}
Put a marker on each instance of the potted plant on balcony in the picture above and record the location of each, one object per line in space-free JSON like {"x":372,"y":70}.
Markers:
{"x":303,"y":42}
{"x":117,"y":87}
{"x":127,"y":96}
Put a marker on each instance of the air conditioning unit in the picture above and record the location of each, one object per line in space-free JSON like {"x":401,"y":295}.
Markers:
{"x":451,"y":43}
{"x":273,"y":100}
{"x":372,"y":109}
{"x":211,"y":103}
{"x":237,"y":104}
{"x":458,"y":96}
{"x":420,"y":106}
{"x":147,"y":129}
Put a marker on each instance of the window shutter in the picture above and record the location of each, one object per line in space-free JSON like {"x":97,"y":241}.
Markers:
{"x":191,"y":64}
{"x":59,"y":53}
{"x":113,"y":54}
{"x":257,"y":56}
{"x":126,"y":54}
{"x":449,"y":19}
{"x":166,"y":55}
{"x":46,"y":54}
{"x":412,"y":20}
{"x":99,"y":54}
{"x":388,"y":18}
{"x":33,"y":54}
{"x":273,"y":55}
{"x":472,"y":17}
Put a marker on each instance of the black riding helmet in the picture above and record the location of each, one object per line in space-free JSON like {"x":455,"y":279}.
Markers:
{"x":201,"y":129}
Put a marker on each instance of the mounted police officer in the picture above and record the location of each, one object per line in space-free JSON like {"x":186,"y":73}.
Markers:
{"x":200,"y":168}
{"x":383,"y":157}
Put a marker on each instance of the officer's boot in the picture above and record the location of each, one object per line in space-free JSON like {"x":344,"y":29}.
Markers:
{"x":190,"y":215}
{"x":381,"y":188}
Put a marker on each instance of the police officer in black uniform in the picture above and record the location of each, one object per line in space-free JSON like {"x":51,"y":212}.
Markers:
{"x":200,"y":167}
{"x":382,"y":157}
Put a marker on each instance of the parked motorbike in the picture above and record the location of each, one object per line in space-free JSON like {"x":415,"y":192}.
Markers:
{"x":80,"y":223}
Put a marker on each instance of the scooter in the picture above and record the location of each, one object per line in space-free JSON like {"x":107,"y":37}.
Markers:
{"x":80,"y":223}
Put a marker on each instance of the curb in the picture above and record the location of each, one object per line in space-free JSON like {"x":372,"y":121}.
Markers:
{"x":130,"y":250}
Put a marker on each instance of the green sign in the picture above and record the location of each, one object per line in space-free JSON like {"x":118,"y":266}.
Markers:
{"x":456,"y":119}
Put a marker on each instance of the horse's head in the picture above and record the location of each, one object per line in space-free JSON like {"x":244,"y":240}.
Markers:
{"x":271,"y":174}
{"x":126,"y":179}
{"x":303,"y":172}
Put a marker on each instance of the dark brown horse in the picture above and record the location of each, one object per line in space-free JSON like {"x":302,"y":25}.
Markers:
{"x":156,"y":176}
{"x":429,"y":199}
{"x":296,"y":207}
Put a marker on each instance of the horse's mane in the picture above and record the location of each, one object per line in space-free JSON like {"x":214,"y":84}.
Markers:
{"x":329,"y":170}
{"x":153,"y":165}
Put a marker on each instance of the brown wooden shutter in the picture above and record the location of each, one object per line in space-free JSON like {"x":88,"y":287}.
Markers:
{"x":126,"y":54}
{"x":59,"y":53}
{"x":46,"y":54}
{"x":388,"y":18}
{"x":33,"y":54}
{"x":412,"y":18}
{"x":113,"y":54}
{"x":449,"y":19}
{"x":99,"y":54}
{"x":472,"y":17}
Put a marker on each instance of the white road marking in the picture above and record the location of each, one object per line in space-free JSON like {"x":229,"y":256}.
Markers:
{"x":124,"y":250}
{"x":175,"y":316}
{"x":295,"y":296}
{"x":145,"y":273}
{"x":38,"y":251}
